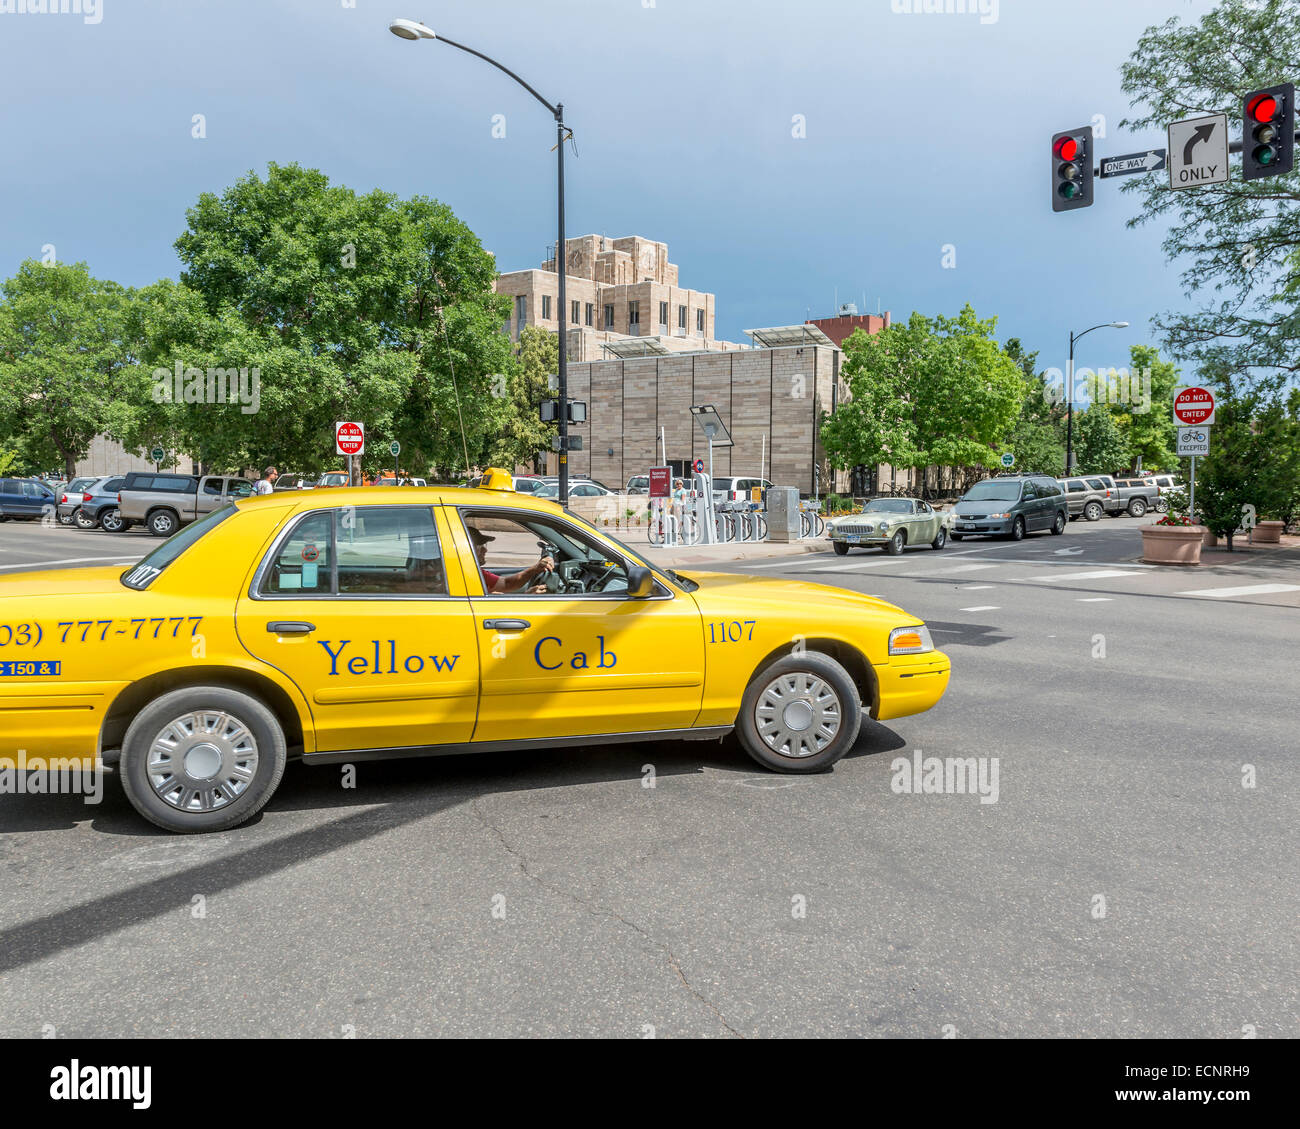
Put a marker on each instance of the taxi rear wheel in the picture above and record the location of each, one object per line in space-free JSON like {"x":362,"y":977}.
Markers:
{"x":204,"y":758}
{"x":800,"y":714}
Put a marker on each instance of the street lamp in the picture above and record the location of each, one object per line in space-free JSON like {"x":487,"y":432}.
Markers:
{"x":1069,"y":391}
{"x":413,"y":29}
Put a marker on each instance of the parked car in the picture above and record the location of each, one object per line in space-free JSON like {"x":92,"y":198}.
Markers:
{"x":99,"y":507}
{"x":26,"y":499}
{"x":70,"y":497}
{"x":528,"y":483}
{"x":1136,"y":496}
{"x":638,"y":484}
{"x":578,"y":489}
{"x":165,"y":502}
{"x":1011,"y":506}
{"x":1089,"y":496}
{"x":736,"y":489}
{"x":1166,"y":484}
{"x":294,"y":482}
{"x":891,"y":524}
{"x":332,"y":479}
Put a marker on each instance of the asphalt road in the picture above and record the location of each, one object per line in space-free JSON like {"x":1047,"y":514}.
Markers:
{"x":554,"y":894}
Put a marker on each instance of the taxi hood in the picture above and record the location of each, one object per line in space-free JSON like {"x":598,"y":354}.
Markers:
{"x":819,"y":599}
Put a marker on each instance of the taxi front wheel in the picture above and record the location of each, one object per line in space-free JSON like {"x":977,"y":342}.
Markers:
{"x":204,"y":758}
{"x":800,"y":714}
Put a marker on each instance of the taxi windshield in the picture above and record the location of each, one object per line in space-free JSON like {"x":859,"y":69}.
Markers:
{"x":148,"y":570}
{"x":636,"y":558}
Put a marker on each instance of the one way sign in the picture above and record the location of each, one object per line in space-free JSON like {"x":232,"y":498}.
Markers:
{"x":1150,"y":161}
{"x":1198,"y":151}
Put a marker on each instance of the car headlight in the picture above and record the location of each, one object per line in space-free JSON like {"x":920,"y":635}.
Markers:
{"x":999,"y":517}
{"x":910,"y":640}
{"x":883,"y":526}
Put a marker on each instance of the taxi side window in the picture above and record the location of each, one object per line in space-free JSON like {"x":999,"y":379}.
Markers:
{"x":302,"y":564}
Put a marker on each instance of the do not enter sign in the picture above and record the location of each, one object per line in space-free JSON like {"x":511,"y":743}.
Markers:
{"x":350,"y":438}
{"x":1193,"y":407}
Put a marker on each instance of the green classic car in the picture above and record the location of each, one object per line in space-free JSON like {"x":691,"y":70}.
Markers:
{"x":892,"y":523}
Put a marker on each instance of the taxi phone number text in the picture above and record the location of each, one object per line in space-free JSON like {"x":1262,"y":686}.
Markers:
{"x":82,"y":630}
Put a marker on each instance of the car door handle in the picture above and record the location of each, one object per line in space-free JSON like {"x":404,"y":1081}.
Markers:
{"x":290,"y":627}
{"x":506,"y":625}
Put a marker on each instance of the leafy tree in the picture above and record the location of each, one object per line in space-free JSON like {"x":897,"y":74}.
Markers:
{"x":1236,"y":240}
{"x":1099,"y":445}
{"x":1146,"y":420}
{"x":347,"y":307}
{"x":64,"y":354}
{"x":874,"y":425}
{"x":1038,"y":440}
{"x":523,"y":437}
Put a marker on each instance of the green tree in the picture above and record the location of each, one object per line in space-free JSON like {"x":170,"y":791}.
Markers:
{"x":1099,"y":446}
{"x":1146,"y":419}
{"x":523,"y":438}
{"x":1038,"y":439}
{"x":1235,"y":241}
{"x":346,"y":306}
{"x":64,"y":359}
{"x":874,"y":424}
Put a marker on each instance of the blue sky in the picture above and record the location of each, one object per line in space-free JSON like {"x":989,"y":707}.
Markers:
{"x":922,"y":130}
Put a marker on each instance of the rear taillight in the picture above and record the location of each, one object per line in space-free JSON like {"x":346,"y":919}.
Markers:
{"x":119,"y":499}
{"x":63,"y":499}
{"x":85,"y":497}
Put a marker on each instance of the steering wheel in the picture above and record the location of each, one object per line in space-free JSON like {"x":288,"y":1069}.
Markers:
{"x":551,"y":580}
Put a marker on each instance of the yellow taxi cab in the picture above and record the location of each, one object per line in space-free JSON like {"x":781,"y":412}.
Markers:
{"x":368,"y":623}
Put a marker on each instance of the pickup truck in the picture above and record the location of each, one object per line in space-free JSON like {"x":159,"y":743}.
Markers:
{"x":1136,"y":496}
{"x":162,"y":503}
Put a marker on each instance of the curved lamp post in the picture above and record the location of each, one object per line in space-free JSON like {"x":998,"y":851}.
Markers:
{"x":1069,"y":392}
{"x":413,"y":29}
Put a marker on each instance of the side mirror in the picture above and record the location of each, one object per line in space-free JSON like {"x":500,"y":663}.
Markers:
{"x":640,"y":582}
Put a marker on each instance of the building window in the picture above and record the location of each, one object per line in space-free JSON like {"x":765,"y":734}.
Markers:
{"x":546,"y":307}
{"x":573,"y":312}
{"x":699,"y":321}
{"x":681,"y":317}
{"x":663,"y":314}
{"x":591,"y":313}
{"x":521,"y":313}
{"x":633,"y":317}
{"x":609,"y":317}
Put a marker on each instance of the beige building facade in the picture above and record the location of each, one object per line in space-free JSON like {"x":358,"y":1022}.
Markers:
{"x":618,"y":290}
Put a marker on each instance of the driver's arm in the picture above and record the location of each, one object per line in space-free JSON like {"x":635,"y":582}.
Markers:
{"x":522,"y":579}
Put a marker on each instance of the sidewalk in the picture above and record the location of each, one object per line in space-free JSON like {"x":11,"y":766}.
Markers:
{"x":1244,"y":553}
{"x":732,"y":551}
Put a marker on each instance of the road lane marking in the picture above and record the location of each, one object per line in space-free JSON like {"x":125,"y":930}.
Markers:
{"x":981,"y":608}
{"x":966,"y":568}
{"x":1094,"y":600}
{"x":1248,"y":590}
{"x":976,"y":587}
{"x":36,"y":565}
{"x":1096,"y":574}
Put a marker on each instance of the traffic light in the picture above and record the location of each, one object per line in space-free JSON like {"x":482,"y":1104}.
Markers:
{"x":1072,"y":169}
{"x":1268,"y":135}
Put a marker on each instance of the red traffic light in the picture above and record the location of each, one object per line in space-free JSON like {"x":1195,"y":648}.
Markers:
{"x":1067,"y":148}
{"x":1263,"y":108}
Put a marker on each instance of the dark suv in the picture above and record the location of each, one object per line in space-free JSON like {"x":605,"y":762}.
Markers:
{"x":1011,"y":505}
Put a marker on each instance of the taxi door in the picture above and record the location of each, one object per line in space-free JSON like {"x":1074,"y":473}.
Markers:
{"x":355,"y":605}
{"x":578,"y":665}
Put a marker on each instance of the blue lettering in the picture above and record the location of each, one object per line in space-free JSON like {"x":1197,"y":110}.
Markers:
{"x":604,"y":654}
{"x":537,"y":653}
{"x":415,"y":669}
{"x":352,"y":665}
{"x":334,"y":655}
{"x":573,"y":662}
{"x":442,"y":662}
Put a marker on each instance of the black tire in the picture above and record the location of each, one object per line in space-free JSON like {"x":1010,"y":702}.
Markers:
{"x":1137,"y":507}
{"x":110,"y":521}
{"x":811,"y":664}
{"x":940,"y":540}
{"x":1017,"y":530}
{"x":1058,"y":526}
{"x":163,"y":523}
{"x":958,"y":536}
{"x":249,"y":712}
{"x":84,"y":520}
{"x":1093,"y":511}
{"x":897,"y":543}
{"x":1162,"y":506}
{"x":841,"y":549}
{"x":69,"y":518}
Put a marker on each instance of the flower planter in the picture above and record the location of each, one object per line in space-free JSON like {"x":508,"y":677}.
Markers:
{"x":1209,"y":541}
{"x":1269,"y":532}
{"x":1172,"y":544}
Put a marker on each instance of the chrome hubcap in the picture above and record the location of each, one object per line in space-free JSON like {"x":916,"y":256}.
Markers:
{"x":202,"y":761}
{"x":797,"y":715}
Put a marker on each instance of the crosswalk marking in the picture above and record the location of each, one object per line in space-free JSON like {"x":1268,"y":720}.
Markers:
{"x":1247,"y":590}
{"x":1095,"y":574}
{"x":976,"y":587}
{"x":966,"y":568}
{"x":981,"y":608}
{"x":1094,"y":600}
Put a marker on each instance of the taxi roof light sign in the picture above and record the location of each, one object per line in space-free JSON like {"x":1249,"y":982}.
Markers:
{"x":495,"y":478}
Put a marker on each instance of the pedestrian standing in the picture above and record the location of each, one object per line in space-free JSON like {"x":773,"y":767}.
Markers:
{"x":266,"y":484}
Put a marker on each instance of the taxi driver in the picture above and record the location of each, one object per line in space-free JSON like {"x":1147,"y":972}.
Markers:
{"x":524,"y":580}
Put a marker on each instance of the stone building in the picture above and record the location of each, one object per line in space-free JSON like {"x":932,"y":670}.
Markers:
{"x":617,"y":289}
